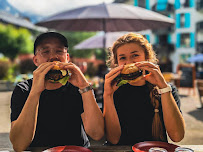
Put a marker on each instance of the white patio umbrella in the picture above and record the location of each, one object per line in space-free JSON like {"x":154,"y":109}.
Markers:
{"x":112,"y":17}
{"x":108,"y":18}
{"x":96,"y":42}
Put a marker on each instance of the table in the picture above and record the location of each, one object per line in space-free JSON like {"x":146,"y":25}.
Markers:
{"x":196,"y":148}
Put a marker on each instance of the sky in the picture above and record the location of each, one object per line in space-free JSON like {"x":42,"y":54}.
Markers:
{"x":49,"y":7}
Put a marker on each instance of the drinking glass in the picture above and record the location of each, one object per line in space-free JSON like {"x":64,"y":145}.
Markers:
{"x":183,"y":149}
{"x":157,"y":149}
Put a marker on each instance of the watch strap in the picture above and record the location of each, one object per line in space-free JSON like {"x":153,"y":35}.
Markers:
{"x":86,"y":89}
{"x":164,"y":90}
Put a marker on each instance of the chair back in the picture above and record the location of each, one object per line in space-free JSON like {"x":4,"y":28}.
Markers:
{"x":200,"y":87}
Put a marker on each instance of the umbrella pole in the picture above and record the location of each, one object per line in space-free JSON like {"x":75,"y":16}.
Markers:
{"x":104,"y":47}
{"x":104,"y":40}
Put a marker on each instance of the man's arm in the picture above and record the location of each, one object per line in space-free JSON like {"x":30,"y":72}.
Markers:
{"x":92,"y":116}
{"x":23,"y":129}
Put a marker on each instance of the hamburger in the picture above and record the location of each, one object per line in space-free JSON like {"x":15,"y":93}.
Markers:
{"x":56,"y":74}
{"x":129,"y":73}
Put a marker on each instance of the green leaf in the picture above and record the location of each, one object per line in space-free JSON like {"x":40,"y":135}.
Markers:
{"x":122,"y":82}
{"x":64,"y":80}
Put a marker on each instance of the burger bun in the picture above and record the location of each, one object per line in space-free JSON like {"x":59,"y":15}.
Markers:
{"x":56,"y":66}
{"x":129,"y":68}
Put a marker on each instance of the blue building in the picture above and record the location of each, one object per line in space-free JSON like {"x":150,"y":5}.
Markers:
{"x":175,"y":44}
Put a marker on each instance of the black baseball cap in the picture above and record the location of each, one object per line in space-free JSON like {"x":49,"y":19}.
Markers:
{"x":46,"y":35}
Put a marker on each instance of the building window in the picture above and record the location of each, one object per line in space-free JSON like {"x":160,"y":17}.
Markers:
{"x":163,"y":39}
{"x":199,"y":4}
{"x":142,"y":3}
{"x":185,"y":3}
{"x":182,"y":20}
{"x":185,"y":40}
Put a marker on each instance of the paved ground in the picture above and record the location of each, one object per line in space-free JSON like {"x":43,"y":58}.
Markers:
{"x":189,"y":103}
{"x":5,"y":119}
{"x":193,"y":119}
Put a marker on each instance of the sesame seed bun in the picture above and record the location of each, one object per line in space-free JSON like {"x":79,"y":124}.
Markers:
{"x":56,"y":67}
{"x":129,"y":68}
{"x":130,"y":73}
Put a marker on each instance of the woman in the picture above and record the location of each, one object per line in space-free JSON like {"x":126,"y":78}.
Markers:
{"x":135,"y":112}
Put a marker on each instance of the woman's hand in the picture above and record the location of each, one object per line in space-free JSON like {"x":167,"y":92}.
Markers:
{"x":39,"y":76}
{"x":109,"y":84}
{"x":77,"y":78}
{"x":155,"y":76}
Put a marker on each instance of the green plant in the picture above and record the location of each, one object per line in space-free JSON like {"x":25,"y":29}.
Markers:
{"x":4,"y":68}
{"x":91,"y":70}
{"x":11,"y":73}
{"x":26,"y":66}
{"x":75,"y":38}
{"x":14,"y":41}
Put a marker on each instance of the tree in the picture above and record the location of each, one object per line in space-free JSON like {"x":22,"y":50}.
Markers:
{"x":15,"y":41}
{"x":75,"y":38}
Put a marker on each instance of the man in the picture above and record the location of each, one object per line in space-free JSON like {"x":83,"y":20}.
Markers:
{"x":47,"y":114}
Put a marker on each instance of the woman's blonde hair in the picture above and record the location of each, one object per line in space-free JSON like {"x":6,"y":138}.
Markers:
{"x":150,"y":55}
{"x":139,"y":39}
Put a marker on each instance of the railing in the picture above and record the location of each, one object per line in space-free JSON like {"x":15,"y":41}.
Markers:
{"x":6,"y":85}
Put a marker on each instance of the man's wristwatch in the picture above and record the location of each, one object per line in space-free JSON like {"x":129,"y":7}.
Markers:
{"x":86,"y":89}
{"x":164,"y":90}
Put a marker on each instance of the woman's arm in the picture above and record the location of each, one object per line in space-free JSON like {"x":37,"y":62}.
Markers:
{"x":173,"y":118}
{"x":112,"y":124}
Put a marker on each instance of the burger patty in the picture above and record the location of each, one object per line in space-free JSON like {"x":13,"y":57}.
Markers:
{"x":131,"y":76}
{"x":54,"y":75}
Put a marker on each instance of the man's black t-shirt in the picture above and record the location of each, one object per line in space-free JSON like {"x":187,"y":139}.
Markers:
{"x":135,"y":112}
{"x":59,"y":119}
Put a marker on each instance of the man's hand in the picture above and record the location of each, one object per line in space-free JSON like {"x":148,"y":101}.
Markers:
{"x":39,"y":82}
{"x":77,"y":78}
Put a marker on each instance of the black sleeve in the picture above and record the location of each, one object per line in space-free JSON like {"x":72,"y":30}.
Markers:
{"x":18,"y":98}
{"x":176,"y":95}
{"x":78,"y":97}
